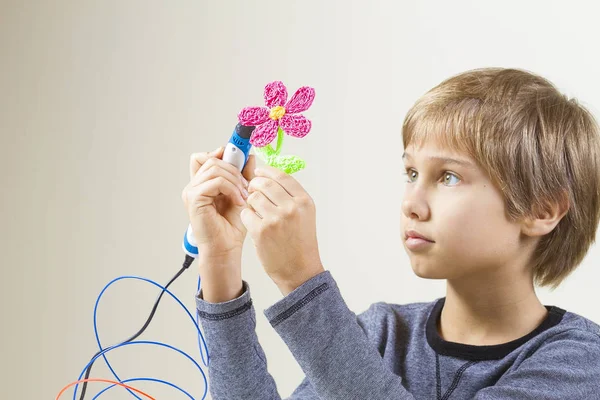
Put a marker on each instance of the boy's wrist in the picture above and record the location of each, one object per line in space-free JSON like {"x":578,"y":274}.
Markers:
{"x":218,"y":292}
{"x":220,"y":280}
{"x":289,"y":285}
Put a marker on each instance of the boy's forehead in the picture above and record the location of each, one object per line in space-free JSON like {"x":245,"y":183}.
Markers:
{"x":432,"y":152}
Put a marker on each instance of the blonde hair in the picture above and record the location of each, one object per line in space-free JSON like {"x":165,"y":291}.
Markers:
{"x":538,"y":146}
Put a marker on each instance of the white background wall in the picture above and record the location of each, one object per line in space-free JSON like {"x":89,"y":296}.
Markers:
{"x":102,"y":102}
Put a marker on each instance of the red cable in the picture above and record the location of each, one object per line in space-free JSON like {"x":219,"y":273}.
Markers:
{"x":105,"y":381}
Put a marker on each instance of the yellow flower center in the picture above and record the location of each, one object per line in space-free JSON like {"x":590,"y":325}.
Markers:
{"x":276,"y":113}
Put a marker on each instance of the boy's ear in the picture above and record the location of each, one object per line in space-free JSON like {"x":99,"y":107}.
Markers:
{"x":546,"y":218}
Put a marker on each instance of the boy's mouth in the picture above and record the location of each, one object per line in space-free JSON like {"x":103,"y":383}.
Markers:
{"x":413,"y":234}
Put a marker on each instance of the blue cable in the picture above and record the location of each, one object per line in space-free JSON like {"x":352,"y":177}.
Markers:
{"x":146,"y":379}
{"x":95,"y":319}
{"x":149,"y":343}
{"x":103,"y":351}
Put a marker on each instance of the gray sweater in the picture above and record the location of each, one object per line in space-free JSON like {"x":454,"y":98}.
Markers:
{"x":393,"y":351}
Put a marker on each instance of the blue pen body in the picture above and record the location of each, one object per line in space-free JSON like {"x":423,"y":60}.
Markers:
{"x":236,"y":153}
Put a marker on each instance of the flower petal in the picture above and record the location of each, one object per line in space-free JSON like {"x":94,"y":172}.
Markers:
{"x":264,"y":134}
{"x":251,"y":116}
{"x":295,"y":125}
{"x":275,"y":94}
{"x":301,"y":100}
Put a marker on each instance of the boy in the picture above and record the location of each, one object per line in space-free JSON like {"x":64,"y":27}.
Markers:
{"x":503,"y":192}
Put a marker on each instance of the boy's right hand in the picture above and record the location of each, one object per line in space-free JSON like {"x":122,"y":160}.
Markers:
{"x":214,"y":199}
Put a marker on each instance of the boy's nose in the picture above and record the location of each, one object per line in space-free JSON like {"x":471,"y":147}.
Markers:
{"x":414,"y":205}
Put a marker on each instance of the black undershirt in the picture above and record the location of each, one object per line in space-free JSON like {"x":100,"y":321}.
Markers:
{"x":480,"y":353}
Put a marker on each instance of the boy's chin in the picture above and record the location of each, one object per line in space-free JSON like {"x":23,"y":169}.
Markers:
{"x":428,"y":271}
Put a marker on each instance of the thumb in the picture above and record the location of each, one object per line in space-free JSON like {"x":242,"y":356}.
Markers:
{"x":248,"y":171}
{"x":218,"y":153}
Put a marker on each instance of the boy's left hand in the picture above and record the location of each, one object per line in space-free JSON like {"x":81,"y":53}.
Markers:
{"x":284,"y":231}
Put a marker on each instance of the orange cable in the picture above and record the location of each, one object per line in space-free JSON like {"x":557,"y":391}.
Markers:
{"x":105,"y":381}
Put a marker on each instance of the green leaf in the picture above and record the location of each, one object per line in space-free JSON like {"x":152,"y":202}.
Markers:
{"x":288,"y":164}
{"x":265,"y":152}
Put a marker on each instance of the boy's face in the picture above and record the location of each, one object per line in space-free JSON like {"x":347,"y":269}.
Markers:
{"x":461,"y":211}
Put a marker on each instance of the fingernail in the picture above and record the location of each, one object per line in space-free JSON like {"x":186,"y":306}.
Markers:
{"x":245,"y":193}
{"x":244,"y":181}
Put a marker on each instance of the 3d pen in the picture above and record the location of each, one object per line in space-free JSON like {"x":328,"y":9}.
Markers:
{"x":236,"y":153}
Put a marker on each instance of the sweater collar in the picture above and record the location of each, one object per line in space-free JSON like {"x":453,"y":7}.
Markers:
{"x":480,"y":353}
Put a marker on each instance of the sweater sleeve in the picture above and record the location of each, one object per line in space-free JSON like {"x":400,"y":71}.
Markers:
{"x":567,"y":366}
{"x":331,"y":347}
{"x":237,"y":366}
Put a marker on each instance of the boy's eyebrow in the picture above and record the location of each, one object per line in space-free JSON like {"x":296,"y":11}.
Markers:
{"x":445,"y":160}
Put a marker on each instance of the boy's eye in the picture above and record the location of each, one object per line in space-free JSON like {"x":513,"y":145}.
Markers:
{"x":410,"y":173}
{"x":446,"y":177}
{"x":450,"y":175}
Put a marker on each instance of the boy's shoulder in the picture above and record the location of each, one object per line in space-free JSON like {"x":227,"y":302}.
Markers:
{"x":408,"y":311}
{"x":403,"y":317}
{"x":572,"y":320}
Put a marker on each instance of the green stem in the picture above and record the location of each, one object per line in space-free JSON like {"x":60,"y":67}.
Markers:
{"x":267,"y":152}
{"x":279,"y":140}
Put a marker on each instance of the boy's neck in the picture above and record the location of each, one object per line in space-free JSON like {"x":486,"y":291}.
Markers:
{"x":491,"y":310}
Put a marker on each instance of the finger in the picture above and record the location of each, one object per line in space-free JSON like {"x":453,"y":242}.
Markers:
{"x":214,"y":170}
{"x":271,"y":189}
{"x":261,"y":204}
{"x":254,"y":211}
{"x":198,"y":159}
{"x":248,"y":171}
{"x":218,"y":163}
{"x":214,"y":161}
{"x":290,"y":184}
{"x":250,"y":220}
{"x":206,"y":192}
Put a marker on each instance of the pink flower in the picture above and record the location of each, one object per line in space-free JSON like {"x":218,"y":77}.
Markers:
{"x":278,"y":114}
